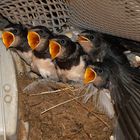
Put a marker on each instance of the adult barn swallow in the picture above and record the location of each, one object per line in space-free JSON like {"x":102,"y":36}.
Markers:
{"x":14,"y":36}
{"x":123,"y":83}
{"x":38,"y":39}
{"x":69,"y":58}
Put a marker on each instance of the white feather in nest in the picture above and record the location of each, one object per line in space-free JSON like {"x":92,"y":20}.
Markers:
{"x":101,"y":99}
{"x":134,"y":58}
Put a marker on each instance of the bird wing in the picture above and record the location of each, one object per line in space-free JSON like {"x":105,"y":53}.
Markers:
{"x":131,"y":45}
{"x":126,"y":97}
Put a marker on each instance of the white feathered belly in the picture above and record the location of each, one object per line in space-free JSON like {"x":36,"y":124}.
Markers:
{"x":76,"y":73}
{"x":45,"y":67}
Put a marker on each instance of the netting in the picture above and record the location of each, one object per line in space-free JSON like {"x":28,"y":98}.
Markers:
{"x":51,"y":13}
{"x":116,"y":17}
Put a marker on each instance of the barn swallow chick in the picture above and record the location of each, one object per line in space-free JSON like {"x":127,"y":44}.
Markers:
{"x":96,"y":75}
{"x":90,"y":40}
{"x":69,"y":58}
{"x":14,"y":37}
{"x":123,"y":82}
{"x":101,"y":97}
{"x":38,"y":39}
{"x":95,"y":44}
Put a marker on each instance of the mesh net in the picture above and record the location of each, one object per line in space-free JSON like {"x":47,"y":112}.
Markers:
{"x":116,"y":17}
{"x":51,"y":13}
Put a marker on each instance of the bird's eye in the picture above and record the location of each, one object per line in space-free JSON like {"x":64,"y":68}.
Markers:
{"x":100,"y":71}
{"x":63,"y":42}
{"x":41,"y":32}
{"x":15,"y":31}
{"x":91,"y":37}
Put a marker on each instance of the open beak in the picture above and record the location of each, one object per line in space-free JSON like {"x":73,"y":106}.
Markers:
{"x":89,"y":75}
{"x":54,"y":48}
{"x":8,"y":38}
{"x":82,"y":39}
{"x":33,"y":39}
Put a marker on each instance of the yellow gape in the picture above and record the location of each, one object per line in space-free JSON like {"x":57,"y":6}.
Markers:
{"x":89,"y":76}
{"x":33,"y":39}
{"x":8,"y":38}
{"x":54,"y":48}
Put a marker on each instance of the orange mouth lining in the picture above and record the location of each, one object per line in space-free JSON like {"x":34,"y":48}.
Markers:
{"x":89,"y":76}
{"x":33,"y":39}
{"x":54,"y":48}
{"x":8,"y":38}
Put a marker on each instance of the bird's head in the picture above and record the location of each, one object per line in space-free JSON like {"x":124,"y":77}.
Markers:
{"x":38,"y":37}
{"x":13,"y":35}
{"x":96,"y":74}
{"x":61,"y":47}
{"x":89,"y":40}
